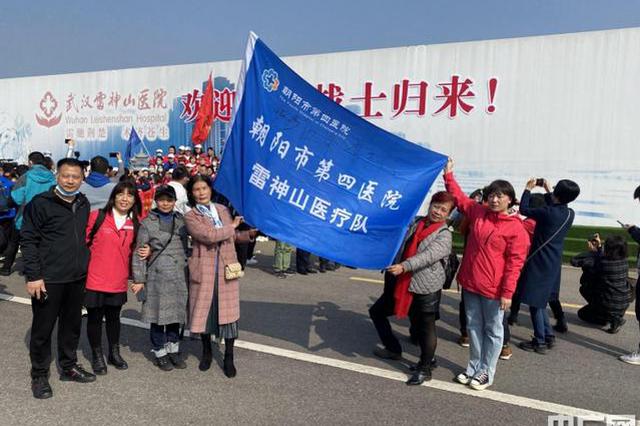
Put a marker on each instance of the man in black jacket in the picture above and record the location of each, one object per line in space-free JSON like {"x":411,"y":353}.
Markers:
{"x":55,"y":258}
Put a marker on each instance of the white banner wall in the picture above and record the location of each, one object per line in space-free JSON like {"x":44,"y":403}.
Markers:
{"x":557,"y":106}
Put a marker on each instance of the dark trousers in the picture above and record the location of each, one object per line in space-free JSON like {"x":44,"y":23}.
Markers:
{"x":542,"y":330}
{"x":163,"y":334}
{"x":64,"y":305}
{"x":462,"y":316}
{"x":381,"y":310}
{"x":303,"y":260}
{"x":111,"y":314}
{"x":638,"y":300}
{"x":424,"y":329}
{"x":9,"y":242}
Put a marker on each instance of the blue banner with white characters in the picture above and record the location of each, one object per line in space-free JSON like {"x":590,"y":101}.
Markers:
{"x":309,"y":172}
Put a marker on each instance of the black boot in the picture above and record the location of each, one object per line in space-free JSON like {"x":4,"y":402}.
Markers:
{"x":97,"y":362}
{"x":561,"y":325}
{"x":228,"y":367}
{"x":207,"y":356}
{"x":115,"y":359}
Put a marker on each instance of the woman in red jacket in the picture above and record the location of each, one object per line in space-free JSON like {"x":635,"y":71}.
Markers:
{"x":111,"y":237}
{"x":497,"y":246}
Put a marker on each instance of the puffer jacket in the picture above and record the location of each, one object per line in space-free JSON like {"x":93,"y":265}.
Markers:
{"x":37,"y":180}
{"x":497,"y":247}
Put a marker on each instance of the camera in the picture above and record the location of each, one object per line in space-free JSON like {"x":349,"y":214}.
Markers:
{"x":540,"y":182}
{"x":113,"y":155}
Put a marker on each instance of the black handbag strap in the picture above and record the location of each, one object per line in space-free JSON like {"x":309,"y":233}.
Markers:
{"x":173,"y":225}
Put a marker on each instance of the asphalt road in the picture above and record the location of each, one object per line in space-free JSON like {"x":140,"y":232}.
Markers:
{"x":321,"y":320}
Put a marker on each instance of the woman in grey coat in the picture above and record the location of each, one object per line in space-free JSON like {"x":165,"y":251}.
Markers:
{"x":162,"y":276}
{"x":422,"y":267}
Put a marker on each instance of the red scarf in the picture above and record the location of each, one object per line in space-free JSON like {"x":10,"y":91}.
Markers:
{"x":402,"y":295}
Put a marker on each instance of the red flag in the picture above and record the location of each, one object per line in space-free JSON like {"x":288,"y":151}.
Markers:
{"x":204,"y":118}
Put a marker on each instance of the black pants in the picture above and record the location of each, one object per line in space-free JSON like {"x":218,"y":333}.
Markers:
{"x":638,"y":300}
{"x":423,"y":325}
{"x":94,"y":325}
{"x":303,"y":260}
{"x":9,"y":242}
{"x":381,"y":310}
{"x":64,"y":305}
{"x":462,"y":316}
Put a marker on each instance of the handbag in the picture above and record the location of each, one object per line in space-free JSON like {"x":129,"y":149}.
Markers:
{"x":233,"y":271}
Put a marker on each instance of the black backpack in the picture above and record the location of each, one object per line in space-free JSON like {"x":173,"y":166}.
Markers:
{"x":450,"y":265}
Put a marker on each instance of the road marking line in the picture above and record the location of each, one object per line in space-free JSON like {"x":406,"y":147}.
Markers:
{"x":452,"y":290}
{"x":519,"y":401}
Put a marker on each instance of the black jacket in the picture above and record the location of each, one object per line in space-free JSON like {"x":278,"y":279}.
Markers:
{"x":53,"y":240}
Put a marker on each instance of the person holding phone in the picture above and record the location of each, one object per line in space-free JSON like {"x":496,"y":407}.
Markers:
{"x":540,"y":280}
{"x":214,"y":297}
{"x":55,"y":255}
{"x":161,"y":280}
{"x":634,"y":357}
{"x":98,"y":185}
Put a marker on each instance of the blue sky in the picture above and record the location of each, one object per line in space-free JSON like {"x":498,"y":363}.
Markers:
{"x":46,"y":37}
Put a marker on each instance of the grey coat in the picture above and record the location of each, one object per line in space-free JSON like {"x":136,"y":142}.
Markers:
{"x":165,"y":281}
{"x":428,"y":271}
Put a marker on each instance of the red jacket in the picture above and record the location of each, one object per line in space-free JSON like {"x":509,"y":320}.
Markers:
{"x":497,"y":246}
{"x":110,"y":255}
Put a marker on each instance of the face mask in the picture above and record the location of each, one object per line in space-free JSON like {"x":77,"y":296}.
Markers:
{"x":65,"y":193}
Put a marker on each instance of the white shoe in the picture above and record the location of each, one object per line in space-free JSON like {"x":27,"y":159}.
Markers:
{"x":632,"y":358}
{"x":463,"y":378}
{"x":480,"y":382}
{"x":252,"y":261}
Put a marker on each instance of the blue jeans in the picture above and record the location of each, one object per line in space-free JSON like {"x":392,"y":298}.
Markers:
{"x":541,"y":327}
{"x":484,"y":324}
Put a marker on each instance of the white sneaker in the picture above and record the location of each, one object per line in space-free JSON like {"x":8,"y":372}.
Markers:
{"x":463,"y":378}
{"x":632,"y":358}
{"x":480,"y":382}
{"x":252,"y":261}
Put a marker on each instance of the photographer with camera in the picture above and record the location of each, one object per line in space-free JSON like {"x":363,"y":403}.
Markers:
{"x":604,"y":282}
{"x":540,"y":279}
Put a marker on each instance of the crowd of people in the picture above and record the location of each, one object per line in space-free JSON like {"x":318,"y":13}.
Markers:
{"x":512,"y":255}
{"x":90,"y":234}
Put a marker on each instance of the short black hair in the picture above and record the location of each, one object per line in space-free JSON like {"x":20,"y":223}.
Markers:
{"x":615,"y":248}
{"x":99,"y":164}
{"x":501,"y":187}
{"x":566,"y":191}
{"x":179,"y":173}
{"x":69,"y":162}
{"x":636,"y":193}
{"x":48,"y":163}
{"x":36,"y":157}
{"x":165,"y":191}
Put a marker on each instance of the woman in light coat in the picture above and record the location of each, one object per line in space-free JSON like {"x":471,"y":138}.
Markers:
{"x":214,"y":301}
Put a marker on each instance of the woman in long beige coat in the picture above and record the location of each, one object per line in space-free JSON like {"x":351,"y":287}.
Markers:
{"x":214,"y":301}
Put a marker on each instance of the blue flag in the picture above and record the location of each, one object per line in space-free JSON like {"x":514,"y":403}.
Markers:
{"x":133,"y":144}
{"x":309,"y":172}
